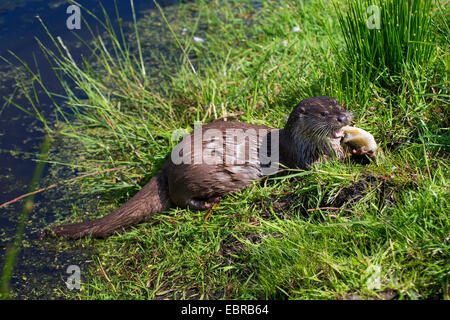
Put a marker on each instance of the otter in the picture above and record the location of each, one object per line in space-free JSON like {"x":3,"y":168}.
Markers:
{"x":197,"y":175}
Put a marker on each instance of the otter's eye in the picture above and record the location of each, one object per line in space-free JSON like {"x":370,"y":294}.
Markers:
{"x":324,"y":114}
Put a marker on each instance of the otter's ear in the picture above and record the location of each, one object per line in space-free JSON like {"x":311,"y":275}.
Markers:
{"x":301,"y":109}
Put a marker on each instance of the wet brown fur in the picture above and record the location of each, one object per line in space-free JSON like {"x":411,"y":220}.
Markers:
{"x":306,"y":138}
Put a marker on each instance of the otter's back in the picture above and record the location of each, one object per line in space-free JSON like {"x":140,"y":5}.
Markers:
{"x":216,"y":159}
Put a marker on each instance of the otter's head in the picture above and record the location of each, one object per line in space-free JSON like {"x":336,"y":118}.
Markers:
{"x":318,"y":118}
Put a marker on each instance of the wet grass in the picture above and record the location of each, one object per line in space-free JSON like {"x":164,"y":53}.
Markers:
{"x":338,"y":231}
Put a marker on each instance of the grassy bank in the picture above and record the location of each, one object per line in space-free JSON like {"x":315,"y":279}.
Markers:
{"x":341,"y":230}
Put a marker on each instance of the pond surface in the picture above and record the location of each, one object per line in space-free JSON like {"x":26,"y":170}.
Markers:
{"x":40,"y":268}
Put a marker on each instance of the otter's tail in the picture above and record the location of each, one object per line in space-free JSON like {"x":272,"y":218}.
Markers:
{"x":153,"y":197}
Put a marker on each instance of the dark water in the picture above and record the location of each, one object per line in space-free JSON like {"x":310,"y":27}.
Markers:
{"x":40,"y":269}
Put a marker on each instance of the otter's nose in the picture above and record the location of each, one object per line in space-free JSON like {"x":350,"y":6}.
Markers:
{"x":342,"y":119}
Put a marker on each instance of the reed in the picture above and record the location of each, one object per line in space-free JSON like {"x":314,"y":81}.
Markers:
{"x":383,"y":38}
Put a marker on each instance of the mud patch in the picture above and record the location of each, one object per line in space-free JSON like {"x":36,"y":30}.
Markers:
{"x":283,"y":205}
{"x":378,"y":190}
{"x":354,"y":193}
{"x":231,"y":248}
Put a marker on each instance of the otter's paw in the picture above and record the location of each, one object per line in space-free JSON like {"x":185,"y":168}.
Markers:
{"x":205,"y":204}
{"x":362,"y":151}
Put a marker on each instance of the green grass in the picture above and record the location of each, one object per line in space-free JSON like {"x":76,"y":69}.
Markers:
{"x":383,"y":39}
{"x":378,"y":230}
